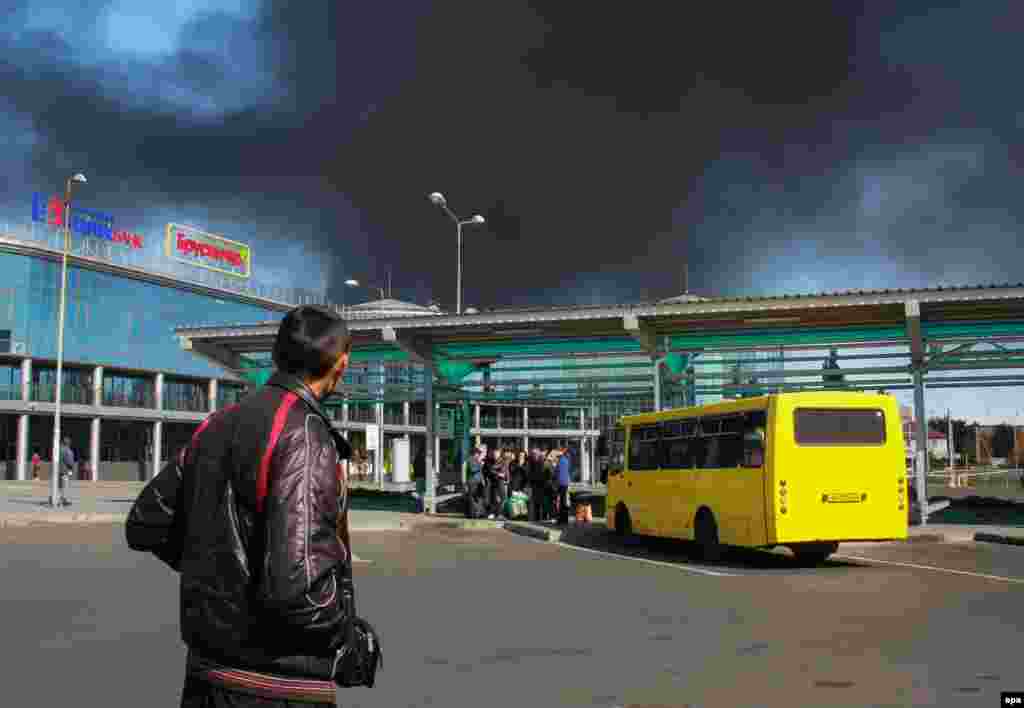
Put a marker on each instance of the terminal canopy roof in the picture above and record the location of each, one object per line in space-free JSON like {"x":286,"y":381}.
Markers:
{"x":934,"y":325}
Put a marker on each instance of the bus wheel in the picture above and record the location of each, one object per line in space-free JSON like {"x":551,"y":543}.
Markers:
{"x":813,"y":553}
{"x":623,"y":523}
{"x":706,"y":532}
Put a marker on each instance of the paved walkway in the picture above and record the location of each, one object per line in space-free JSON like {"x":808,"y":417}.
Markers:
{"x":25,"y":503}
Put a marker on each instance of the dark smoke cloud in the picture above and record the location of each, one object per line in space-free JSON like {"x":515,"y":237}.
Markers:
{"x":787,"y":147}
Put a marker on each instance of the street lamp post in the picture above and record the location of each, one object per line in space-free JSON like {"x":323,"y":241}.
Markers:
{"x":354,"y":283}
{"x":58,"y":394}
{"x":438,"y":199}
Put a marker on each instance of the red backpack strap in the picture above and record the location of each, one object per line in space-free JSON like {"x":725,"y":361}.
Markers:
{"x":263,"y":480}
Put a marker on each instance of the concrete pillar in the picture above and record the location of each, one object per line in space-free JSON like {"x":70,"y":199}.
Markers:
{"x":344,"y":413}
{"x":26,"y":379}
{"x":526,"y":443}
{"x":212,"y":396}
{"x":94,"y":449}
{"x":159,"y":391}
{"x":526,"y":417}
{"x":97,"y":386}
{"x":431,"y":443}
{"x":405,"y":415}
{"x":476,"y":422}
{"x":23,"y":454}
{"x":158,"y":434}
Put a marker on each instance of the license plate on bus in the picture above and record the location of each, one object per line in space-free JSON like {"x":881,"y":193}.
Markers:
{"x":842,"y":497}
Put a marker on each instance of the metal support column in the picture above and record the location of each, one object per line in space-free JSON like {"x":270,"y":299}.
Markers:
{"x":437,"y":455}
{"x":344,"y":413}
{"x":917,"y":357}
{"x":430,"y":484}
{"x":476,"y":422}
{"x":405,"y":419}
{"x":921,"y":439}
{"x":94,"y":449}
{"x":657,"y":384}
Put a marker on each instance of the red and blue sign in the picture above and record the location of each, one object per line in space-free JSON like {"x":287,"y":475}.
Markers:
{"x":86,"y":222}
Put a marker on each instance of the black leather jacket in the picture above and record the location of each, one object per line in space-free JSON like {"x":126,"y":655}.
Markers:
{"x":258,"y":530}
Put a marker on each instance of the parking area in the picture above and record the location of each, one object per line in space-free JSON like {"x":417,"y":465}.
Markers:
{"x":473,"y":617}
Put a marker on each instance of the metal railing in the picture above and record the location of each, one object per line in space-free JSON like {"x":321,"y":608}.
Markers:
{"x":126,"y":400}
{"x":192,"y":405}
{"x":70,"y":393}
{"x":361,"y":415}
{"x":563,"y":423}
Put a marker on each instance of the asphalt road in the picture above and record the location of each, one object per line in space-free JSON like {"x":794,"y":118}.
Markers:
{"x":487,"y":618}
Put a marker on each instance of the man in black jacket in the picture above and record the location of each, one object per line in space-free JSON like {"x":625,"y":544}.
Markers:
{"x":254,"y":516}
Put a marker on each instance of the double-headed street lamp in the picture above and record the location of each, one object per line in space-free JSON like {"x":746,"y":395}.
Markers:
{"x":438,"y":199}
{"x":55,"y":467}
{"x":354,"y":283}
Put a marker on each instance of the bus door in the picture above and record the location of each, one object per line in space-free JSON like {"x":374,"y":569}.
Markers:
{"x":754,"y":473}
{"x":641,"y":480}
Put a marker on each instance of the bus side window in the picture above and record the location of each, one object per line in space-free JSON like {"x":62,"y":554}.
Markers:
{"x":754,"y":439}
{"x":643,"y":448}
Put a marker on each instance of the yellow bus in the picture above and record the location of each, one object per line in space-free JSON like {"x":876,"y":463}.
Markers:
{"x":802,"y":470}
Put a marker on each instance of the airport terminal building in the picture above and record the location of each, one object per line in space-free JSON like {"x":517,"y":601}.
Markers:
{"x":132,"y":394}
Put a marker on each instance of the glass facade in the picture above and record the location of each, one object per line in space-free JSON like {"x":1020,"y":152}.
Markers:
{"x":110,"y":319}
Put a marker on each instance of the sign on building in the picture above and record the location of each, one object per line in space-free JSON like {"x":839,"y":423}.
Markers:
{"x":84,"y":222}
{"x":195,"y":247}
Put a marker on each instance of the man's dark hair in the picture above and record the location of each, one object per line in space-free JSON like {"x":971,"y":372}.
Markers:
{"x":309,"y":341}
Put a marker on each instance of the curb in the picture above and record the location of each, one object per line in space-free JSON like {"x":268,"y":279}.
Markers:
{"x":474,"y":524}
{"x":40,"y":519}
{"x":534,"y":532}
{"x":999,"y":538}
{"x":927,"y":538}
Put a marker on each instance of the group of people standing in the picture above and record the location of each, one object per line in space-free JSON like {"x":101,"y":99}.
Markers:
{"x":544,"y":476}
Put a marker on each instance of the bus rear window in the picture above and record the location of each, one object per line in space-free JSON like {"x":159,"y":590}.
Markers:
{"x":817,"y":426}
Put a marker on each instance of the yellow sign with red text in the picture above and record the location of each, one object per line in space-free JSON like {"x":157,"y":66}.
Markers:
{"x":195,"y":247}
